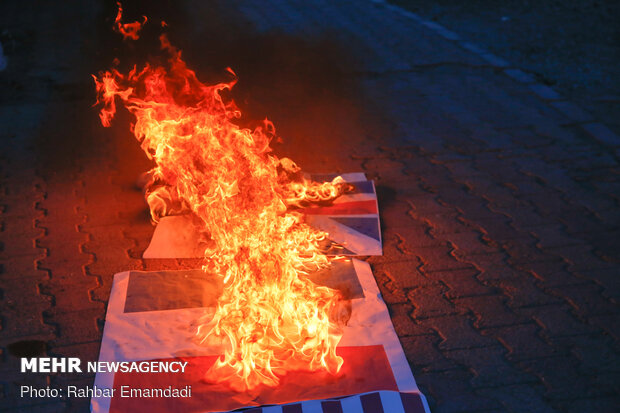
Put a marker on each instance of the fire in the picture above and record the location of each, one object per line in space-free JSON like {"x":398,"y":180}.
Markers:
{"x":128,"y":30}
{"x":270,"y":317}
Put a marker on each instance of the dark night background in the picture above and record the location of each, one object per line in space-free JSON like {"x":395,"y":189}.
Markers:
{"x":492,"y":138}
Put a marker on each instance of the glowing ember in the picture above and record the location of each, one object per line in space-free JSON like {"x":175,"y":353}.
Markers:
{"x":270,"y":317}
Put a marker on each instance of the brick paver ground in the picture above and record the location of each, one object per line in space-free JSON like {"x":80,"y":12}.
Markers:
{"x":499,"y":200}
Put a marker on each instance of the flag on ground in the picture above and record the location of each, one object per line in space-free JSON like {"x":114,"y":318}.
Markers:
{"x":352,"y":222}
{"x":150,"y":317}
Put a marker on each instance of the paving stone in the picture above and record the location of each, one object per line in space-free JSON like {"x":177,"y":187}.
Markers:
{"x":442,"y":31}
{"x":404,"y":324}
{"x":523,"y":250}
{"x":66,"y":300}
{"x":25,"y":292}
{"x":523,"y":342}
{"x":524,"y":292}
{"x":439,"y":259}
{"x":456,"y":393}
{"x":471,"y":242}
{"x":494,"y":60}
{"x":573,"y":112}
{"x":544,"y":92}
{"x":520,"y":397}
{"x":549,"y":204}
{"x":18,"y":240}
{"x":21,"y":268}
{"x":23,"y":321}
{"x":596,"y":354}
{"x":420,"y":167}
{"x":490,"y":311}
{"x":395,"y":215}
{"x":607,"y":278}
{"x":606,"y":245}
{"x":473,"y":48}
{"x":557,"y":321}
{"x":524,"y":186}
{"x":561,"y":377}
{"x":441,"y":224}
{"x":430,"y":301}
{"x":577,"y":222}
{"x":427,"y":203}
{"x":587,"y":404}
{"x":602,"y":133}
{"x":414,"y":238}
{"x":558,"y":278}
{"x":492,"y":266}
{"x":519,"y":75}
{"x":608,"y":216}
{"x":490,"y":366}
{"x":580,"y":257}
{"x":461,"y":283}
{"x":404,"y":274}
{"x":452,"y":196}
{"x":423,"y":354}
{"x":464,"y":170}
{"x":77,"y":327}
{"x":609,"y":323}
{"x":439,"y":181}
{"x":87,"y":351}
{"x":498,"y":229}
{"x":389,"y":169}
{"x":456,"y":332}
{"x":475,"y":209}
{"x":390,"y":291}
{"x":546,"y":271}
{"x":18,"y":404}
{"x":395,"y":248}
{"x":582,"y":298}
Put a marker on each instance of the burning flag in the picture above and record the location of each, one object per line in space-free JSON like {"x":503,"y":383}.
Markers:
{"x":147,"y":318}
{"x":270,"y":317}
{"x":352,"y":222}
{"x":278,"y":323}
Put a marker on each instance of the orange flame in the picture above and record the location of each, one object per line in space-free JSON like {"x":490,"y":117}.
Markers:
{"x":128,"y":30}
{"x":270,"y":317}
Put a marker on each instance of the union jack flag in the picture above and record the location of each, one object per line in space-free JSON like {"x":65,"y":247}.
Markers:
{"x":351,"y":222}
{"x":148,"y":319}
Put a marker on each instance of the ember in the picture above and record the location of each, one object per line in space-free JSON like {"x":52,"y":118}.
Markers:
{"x":270,"y":317}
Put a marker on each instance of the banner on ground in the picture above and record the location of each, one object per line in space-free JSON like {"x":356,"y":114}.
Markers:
{"x":150,"y":316}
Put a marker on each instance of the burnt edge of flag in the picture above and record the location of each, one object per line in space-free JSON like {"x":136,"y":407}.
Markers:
{"x":333,"y":248}
{"x":361,"y":187}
